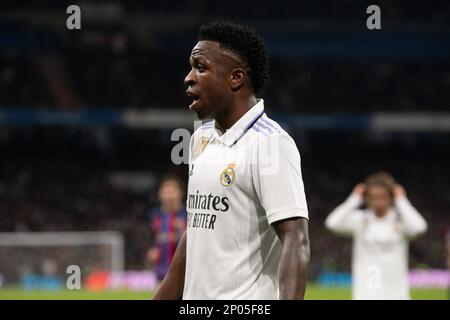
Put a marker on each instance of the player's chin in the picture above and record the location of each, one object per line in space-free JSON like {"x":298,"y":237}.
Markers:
{"x":202,"y":113}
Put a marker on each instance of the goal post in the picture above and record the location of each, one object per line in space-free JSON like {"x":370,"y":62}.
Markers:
{"x":50,"y":253}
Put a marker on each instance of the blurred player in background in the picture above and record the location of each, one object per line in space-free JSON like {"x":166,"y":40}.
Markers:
{"x":448,"y":261}
{"x":381,"y":233}
{"x":448,"y":249}
{"x":167,"y":223}
{"x":247,"y":234}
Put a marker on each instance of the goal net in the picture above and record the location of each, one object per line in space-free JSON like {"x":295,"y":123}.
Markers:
{"x":27,"y":256}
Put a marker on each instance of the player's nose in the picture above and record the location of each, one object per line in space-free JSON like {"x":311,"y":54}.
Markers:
{"x":189,"y":80}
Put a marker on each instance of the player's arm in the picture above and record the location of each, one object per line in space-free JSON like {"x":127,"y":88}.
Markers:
{"x":153,"y":253}
{"x":413,"y":223}
{"x":344,"y":219}
{"x":279,"y":186}
{"x":172,"y":286}
{"x":293,"y":270}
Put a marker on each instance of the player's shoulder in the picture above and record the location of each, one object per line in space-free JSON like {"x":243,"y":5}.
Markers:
{"x":207,"y":125}
{"x":182,"y":213}
{"x":266,"y":127}
{"x":266,"y":132}
{"x":205,"y":130}
{"x":154,"y":213}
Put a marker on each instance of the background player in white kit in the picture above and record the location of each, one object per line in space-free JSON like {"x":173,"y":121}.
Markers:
{"x":247,"y":233}
{"x":381,"y":235}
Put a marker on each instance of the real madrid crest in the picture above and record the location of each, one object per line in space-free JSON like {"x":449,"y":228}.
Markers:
{"x":228,"y":175}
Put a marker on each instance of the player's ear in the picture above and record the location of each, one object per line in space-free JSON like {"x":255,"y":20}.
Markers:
{"x":237,"y":78}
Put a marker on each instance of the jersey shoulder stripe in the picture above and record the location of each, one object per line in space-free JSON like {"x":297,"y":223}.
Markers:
{"x":204,"y":130}
{"x":267,"y":127}
{"x":270,"y":123}
{"x":208,"y":124}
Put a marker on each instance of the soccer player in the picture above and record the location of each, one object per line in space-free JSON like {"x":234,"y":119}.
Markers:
{"x":167,"y":223}
{"x":448,"y":248}
{"x":247,"y":231}
{"x":448,"y":259}
{"x":381,"y":233}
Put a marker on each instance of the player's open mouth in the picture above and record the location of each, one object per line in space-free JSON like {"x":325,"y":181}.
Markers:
{"x":195,"y":98}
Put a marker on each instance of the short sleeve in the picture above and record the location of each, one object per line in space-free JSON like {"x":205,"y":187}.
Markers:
{"x":277,"y":178}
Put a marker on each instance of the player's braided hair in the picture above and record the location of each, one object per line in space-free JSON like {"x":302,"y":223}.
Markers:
{"x":243,"y":41}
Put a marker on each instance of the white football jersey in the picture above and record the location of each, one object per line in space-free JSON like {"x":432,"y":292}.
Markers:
{"x":239,"y":183}
{"x":380,"y":246}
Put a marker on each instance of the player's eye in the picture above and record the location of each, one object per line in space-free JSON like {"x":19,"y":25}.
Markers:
{"x":200,"y":67}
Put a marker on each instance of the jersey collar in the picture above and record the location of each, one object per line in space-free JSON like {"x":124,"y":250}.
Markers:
{"x":237,"y":131}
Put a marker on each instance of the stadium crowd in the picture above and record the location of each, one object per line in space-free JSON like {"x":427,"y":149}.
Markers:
{"x":73,"y":190}
{"x":97,"y":77}
{"x":60,"y":178}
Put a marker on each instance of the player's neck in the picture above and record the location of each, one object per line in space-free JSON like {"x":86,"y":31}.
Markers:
{"x":382,"y":213}
{"x":234,"y":112}
{"x":170,"y":208}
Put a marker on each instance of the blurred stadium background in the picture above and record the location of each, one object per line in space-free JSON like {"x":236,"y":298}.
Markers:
{"x":86,"y":119}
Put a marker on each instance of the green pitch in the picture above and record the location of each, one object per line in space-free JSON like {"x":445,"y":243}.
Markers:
{"x":313,"y":292}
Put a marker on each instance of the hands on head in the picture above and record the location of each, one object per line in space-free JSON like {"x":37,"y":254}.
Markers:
{"x":359,"y":189}
{"x":398,"y":190}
